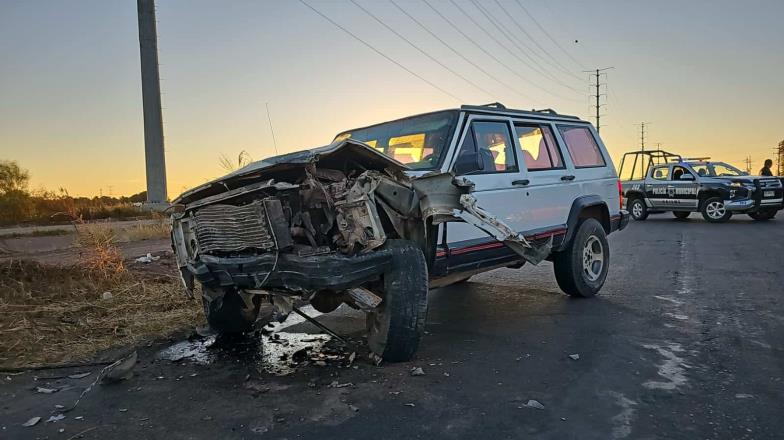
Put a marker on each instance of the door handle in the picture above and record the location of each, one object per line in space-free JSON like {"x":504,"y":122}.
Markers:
{"x":521,"y":182}
{"x":567,"y":177}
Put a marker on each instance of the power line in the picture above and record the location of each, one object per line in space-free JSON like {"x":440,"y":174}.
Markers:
{"x":554,"y":63}
{"x":598,"y":94}
{"x":544,"y":31}
{"x":505,"y":32}
{"x":371,"y":47}
{"x":458,"y":53}
{"x":500,"y":44}
{"x":485,"y":51}
{"x":420,"y":50}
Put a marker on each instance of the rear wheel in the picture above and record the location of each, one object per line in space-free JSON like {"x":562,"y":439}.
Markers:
{"x":396,"y":326}
{"x":227,"y":311}
{"x":638,"y":209}
{"x":581,"y":269}
{"x":680,"y":215}
{"x":763,"y":214}
{"x":714,"y":211}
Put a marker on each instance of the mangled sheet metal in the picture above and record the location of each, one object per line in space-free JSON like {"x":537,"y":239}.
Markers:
{"x":344,"y":198}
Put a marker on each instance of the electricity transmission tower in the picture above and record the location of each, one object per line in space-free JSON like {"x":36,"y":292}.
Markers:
{"x":748,"y":164}
{"x":596,"y":74}
{"x":642,"y":134}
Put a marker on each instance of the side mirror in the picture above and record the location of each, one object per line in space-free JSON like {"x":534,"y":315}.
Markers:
{"x":687,"y":177}
{"x":467,"y":163}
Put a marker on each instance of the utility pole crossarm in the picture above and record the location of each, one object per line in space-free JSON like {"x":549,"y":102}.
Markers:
{"x":597,"y":96}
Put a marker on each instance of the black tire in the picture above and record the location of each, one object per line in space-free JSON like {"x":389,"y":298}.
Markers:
{"x":570,"y":273}
{"x":714,"y":211}
{"x":638,"y":209}
{"x":227,"y":312}
{"x":396,"y":326}
{"x":681,"y":215}
{"x":763,"y":214}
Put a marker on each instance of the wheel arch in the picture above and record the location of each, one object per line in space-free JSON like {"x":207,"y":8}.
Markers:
{"x":585,"y":207}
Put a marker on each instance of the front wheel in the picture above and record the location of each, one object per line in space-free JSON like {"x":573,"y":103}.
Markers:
{"x":397,"y":324}
{"x":229,"y":312}
{"x":638,"y":209}
{"x":581,"y":268}
{"x":714,"y":211}
{"x":681,"y":215}
{"x":763,"y":214}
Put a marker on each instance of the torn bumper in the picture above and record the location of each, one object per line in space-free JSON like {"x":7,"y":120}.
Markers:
{"x":290,"y":272}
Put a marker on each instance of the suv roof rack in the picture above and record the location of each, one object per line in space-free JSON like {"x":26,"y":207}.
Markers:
{"x":500,"y":108}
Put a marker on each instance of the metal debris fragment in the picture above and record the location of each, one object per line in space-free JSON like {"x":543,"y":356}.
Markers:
{"x":534,"y":404}
{"x":32,"y":422}
{"x":574,"y":356}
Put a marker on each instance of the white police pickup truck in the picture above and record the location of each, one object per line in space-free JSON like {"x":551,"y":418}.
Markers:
{"x":387,"y":211}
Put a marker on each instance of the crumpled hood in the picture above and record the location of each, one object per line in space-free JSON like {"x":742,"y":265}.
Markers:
{"x":337,"y":152}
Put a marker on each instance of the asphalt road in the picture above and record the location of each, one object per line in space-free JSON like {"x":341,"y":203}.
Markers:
{"x":685,"y":342}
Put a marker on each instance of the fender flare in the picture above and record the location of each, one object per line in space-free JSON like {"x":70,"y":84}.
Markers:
{"x":578,"y":206}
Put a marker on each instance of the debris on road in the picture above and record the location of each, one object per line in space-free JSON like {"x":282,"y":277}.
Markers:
{"x":119,"y":370}
{"x":44,"y":390}
{"x":335,"y":384}
{"x":417,"y":371}
{"x":32,"y":422}
{"x":55,"y":418}
{"x":534,"y":404}
{"x":574,"y":356}
{"x":147,"y":259}
{"x":79,"y":375}
{"x":409,"y":404}
{"x":744,"y":396}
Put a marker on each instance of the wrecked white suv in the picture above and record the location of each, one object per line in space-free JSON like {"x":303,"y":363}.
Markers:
{"x":386,"y":212}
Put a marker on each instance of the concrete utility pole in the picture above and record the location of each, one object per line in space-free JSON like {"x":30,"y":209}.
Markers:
{"x":748,"y":164}
{"x":151,"y":99}
{"x":597,"y":73}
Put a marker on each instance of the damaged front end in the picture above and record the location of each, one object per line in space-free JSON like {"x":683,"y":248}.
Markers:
{"x":313,"y":224}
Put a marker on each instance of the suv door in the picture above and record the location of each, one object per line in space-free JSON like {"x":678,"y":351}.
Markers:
{"x":486,"y":154}
{"x":549,"y":193}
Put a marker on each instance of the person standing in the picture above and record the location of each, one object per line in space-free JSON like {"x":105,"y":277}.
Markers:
{"x":765,"y":171}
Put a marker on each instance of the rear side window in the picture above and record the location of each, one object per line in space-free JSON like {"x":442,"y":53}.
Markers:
{"x":540,"y":152}
{"x":582,"y":147}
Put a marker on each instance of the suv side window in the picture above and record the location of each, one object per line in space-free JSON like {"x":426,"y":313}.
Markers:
{"x":661,"y":173}
{"x":491,"y":143}
{"x":540,"y":151}
{"x":582,"y":146}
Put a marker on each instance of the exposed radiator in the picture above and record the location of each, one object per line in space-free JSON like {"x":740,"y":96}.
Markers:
{"x":229,"y":228}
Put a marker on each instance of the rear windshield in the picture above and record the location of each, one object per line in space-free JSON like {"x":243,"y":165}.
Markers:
{"x":419,"y":141}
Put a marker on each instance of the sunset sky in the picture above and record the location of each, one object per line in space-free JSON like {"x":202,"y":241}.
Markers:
{"x":707,"y":75}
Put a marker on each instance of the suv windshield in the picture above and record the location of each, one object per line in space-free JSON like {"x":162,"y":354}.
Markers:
{"x":716,"y":169}
{"x":418,"y":141}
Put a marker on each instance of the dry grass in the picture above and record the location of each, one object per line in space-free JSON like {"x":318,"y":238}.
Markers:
{"x":57,"y":314}
{"x":146,"y":231}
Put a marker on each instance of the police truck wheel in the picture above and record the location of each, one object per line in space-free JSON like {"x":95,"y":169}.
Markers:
{"x":763,"y":214}
{"x":681,"y":215}
{"x":397,"y":324}
{"x":714,"y":211}
{"x":638,"y":209}
{"x":227,"y":312}
{"x":581,"y":269}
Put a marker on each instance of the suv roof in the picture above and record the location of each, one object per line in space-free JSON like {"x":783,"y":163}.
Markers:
{"x":499,"y":109}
